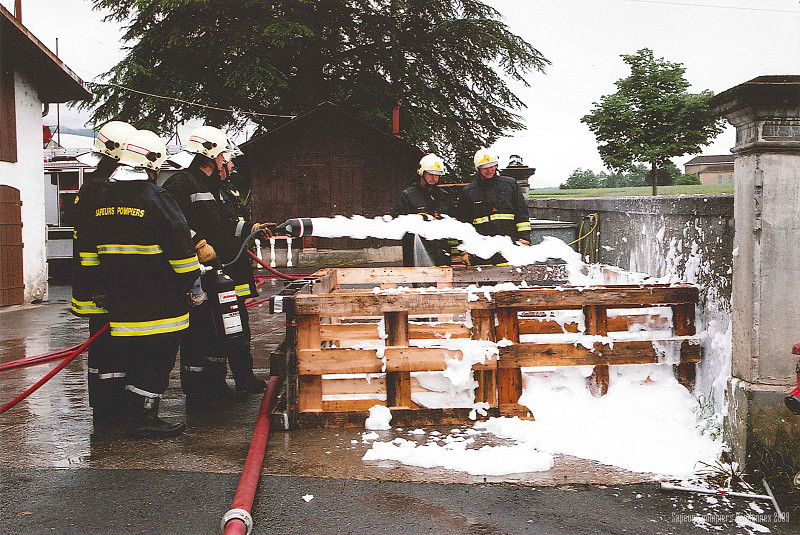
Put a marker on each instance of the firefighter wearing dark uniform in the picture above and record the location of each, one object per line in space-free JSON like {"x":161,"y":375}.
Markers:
{"x":428,"y":200}
{"x":214,"y":225}
{"x":240,"y":357}
{"x":495,"y":206}
{"x":148,"y":268}
{"x":106,"y":369}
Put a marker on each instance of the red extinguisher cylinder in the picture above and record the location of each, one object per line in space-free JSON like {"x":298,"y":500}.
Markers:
{"x":792,"y":400}
{"x":222,"y":294}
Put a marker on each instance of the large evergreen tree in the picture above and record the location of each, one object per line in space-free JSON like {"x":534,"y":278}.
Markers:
{"x":447,"y":61}
{"x":652,"y":117}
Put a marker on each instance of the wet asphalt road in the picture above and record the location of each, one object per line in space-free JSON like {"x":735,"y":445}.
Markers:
{"x":60,"y":474}
{"x":94,"y":501}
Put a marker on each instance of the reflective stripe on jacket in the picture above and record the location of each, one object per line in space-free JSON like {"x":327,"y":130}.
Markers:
{"x":147,"y":259}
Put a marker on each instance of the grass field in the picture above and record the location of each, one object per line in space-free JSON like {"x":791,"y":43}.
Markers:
{"x":635,"y":192}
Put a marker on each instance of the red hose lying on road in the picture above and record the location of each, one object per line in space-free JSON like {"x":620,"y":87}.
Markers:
{"x":33,"y":360}
{"x":69,"y":358}
{"x":237,"y":521}
{"x":273,"y":270}
{"x":271,"y":276}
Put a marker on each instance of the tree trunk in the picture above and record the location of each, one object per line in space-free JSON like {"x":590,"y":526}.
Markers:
{"x":654,"y":174}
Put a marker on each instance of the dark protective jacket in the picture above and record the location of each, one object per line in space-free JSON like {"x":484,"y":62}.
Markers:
{"x":84,"y":256}
{"x":431,"y":202}
{"x":232,"y":210}
{"x":495,"y":207}
{"x":147,"y":262}
{"x":212,"y":212}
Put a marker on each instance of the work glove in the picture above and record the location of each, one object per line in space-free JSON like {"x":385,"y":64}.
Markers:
{"x":205,"y":253}
{"x":463,"y":256}
{"x":196,"y":295}
{"x":264,"y":228}
{"x":524,"y":242}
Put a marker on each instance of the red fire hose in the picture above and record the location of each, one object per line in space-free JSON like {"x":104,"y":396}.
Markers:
{"x":33,"y":360}
{"x":237,"y":521}
{"x":273,"y":270}
{"x":69,"y":358}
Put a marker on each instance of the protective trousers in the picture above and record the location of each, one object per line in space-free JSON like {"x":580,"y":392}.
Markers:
{"x":150,"y":361}
{"x":107,"y":371}
{"x":203,"y":362}
{"x":240,"y":359}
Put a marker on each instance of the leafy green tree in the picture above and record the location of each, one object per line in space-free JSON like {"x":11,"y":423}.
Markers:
{"x":651,"y":117}
{"x":446,"y":61}
{"x":687,"y":180}
{"x":637,"y":176}
{"x":581,"y":179}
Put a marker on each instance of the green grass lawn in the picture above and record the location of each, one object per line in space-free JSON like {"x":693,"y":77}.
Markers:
{"x":628,"y":192}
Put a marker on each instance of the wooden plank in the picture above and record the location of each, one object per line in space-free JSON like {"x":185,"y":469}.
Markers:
{"x":596,"y":321}
{"x":482,"y":325}
{"x":398,"y":384}
{"x":345,"y":332}
{"x":487,"y":386}
{"x":506,"y":324}
{"x":310,"y":390}
{"x":376,"y":385}
{"x":611,"y":296}
{"x":483,"y":329}
{"x":509,"y":379}
{"x":308,"y":339}
{"x":614,"y":324}
{"x":394,"y":275}
{"x":412,"y":359}
{"x":400,"y":418}
{"x":544,"y":326}
{"x":533,"y":273}
{"x":370,"y":304}
{"x":338,"y":387}
{"x":511,"y":410}
{"x":441,"y":330}
{"x":566,"y":354}
{"x":325,"y":281}
{"x":683,"y":320}
{"x":339,"y":405}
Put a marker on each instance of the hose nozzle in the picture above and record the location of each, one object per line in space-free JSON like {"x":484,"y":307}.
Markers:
{"x":295,"y":228}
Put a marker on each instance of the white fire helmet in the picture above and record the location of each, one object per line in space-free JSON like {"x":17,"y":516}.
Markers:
{"x":484,"y":158}
{"x":108,"y":142}
{"x":432,"y":164}
{"x":144,"y":150}
{"x":208,"y":141}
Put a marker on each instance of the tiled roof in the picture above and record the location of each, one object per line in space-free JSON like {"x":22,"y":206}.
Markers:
{"x":716,"y":158}
{"x":718,"y":168}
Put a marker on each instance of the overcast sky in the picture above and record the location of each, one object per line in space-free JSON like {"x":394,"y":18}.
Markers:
{"x":721,"y":43}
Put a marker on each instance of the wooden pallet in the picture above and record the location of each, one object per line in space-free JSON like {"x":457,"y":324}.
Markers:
{"x":328,"y":327}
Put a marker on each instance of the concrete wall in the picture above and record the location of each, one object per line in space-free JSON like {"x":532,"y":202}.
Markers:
{"x":688,"y":238}
{"x":27,"y":175}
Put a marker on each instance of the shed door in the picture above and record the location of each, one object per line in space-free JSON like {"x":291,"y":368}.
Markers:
{"x":12,"y":285}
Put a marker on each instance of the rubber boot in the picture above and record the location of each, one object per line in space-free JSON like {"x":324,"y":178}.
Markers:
{"x":147,"y":424}
{"x":223,"y":392}
{"x":253,"y":385}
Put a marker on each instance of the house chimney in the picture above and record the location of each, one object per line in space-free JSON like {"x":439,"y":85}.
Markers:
{"x":396,"y":120}
{"x":18,"y":10}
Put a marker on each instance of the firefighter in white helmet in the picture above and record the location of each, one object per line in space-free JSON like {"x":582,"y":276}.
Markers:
{"x":426,"y":198}
{"x":216,"y":234}
{"x":494,"y":205}
{"x":147,"y":271}
{"x":106,"y":374}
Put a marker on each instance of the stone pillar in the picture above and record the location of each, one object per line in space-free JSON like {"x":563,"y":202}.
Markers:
{"x":766,"y":266}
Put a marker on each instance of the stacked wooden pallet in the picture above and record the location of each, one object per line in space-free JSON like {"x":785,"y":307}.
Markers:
{"x":333,"y":337}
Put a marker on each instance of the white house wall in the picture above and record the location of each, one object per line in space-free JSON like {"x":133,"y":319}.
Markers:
{"x":27,"y":175}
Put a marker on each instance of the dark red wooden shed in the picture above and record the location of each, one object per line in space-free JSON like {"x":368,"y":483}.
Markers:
{"x":325,"y":163}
